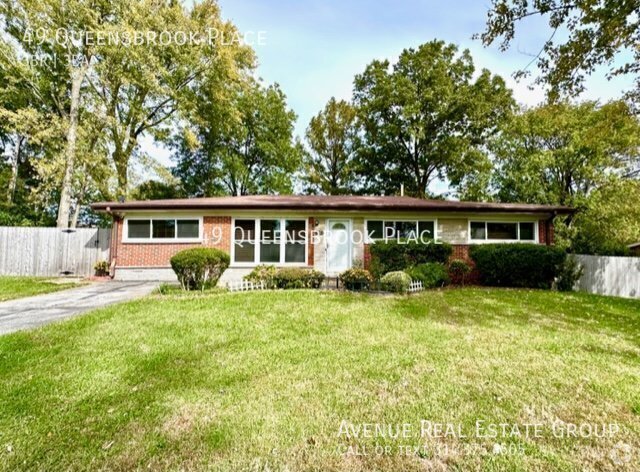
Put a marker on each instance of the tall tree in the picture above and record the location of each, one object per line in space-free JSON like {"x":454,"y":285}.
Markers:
{"x":558,"y":153}
{"x":142,"y":88}
{"x":240,"y":142}
{"x":611,"y":220}
{"x":426,"y":117}
{"x":86,"y":58}
{"x":593,"y":33}
{"x":332,"y":136}
{"x":46,"y":54}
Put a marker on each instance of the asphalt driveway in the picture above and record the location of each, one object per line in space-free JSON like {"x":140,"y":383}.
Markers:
{"x":30,"y":312}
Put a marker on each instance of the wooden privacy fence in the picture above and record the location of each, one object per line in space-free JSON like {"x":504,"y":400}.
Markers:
{"x":608,"y":275}
{"x":52,"y":251}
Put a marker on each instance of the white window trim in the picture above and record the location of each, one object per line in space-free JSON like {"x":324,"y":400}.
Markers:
{"x":256,"y":254}
{"x":369,"y":240}
{"x":152,"y":240}
{"x":535,"y":240}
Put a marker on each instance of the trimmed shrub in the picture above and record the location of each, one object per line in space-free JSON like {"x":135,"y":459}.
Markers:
{"x":397,"y":281}
{"x":199,"y":268}
{"x":431,"y":274}
{"x":101,"y":268}
{"x":568,"y":274}
{"x":297,"y":277}
{"x":356,"y":279}
{"x":517,"y":265}
{"x":459,"y":270}
{"x":392,"y":256}
{"x":263,"y":273}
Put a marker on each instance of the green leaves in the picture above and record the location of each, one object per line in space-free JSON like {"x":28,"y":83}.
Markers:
{"x":425,"y":117}
{"x":595,"y":34}
{"x":332,"y":136}
{"x":242,"y":144}
{"x":558,"y":153}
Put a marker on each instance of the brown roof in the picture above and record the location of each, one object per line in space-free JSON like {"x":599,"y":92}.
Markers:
{"x":318,"y":202}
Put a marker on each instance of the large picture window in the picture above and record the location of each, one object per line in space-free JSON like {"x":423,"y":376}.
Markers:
{"x":502,"y":231}
{"x":423,"y":230}
{"x":162,"y":229}
{"x":270,"y":241}
{"x":244,"y":240}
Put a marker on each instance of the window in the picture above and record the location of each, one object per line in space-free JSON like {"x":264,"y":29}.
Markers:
{"x":244,"y":236}
{"x":375,"y":229}
{"x":270,"y":241}
{"x":527,"y":232}
{"x":478,"y":230}
{"x":165,"y":229}
{"x":502,"y":231}
{"x":139,"y":229}
{"x":295,"y":243}
{"x":188,"y":228}
{"x":414,"y":230}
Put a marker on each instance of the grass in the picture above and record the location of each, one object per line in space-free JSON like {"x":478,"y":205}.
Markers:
{"x":18,"y":287}
{"x":267,"y":380}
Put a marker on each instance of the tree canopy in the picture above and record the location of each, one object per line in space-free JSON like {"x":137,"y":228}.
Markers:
{"x":558,"y":153}
{"x":332,"y":136}
{"x":239,"y":143}
{"x":428,"y":115}
{"x":583,"y":35}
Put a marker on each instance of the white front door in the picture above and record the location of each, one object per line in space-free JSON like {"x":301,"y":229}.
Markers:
{"x":338,"y":240}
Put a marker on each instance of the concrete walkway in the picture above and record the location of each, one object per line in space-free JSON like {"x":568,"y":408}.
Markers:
{"x":25,"y":313}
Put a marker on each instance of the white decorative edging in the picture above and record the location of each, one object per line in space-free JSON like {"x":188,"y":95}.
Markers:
{"x":416,"y":286}
{"x":244,"y":286}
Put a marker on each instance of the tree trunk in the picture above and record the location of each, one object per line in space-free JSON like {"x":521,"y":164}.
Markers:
{"x":76,"y":215}
{"x":77,"y":77}
{"x":14,"y":170}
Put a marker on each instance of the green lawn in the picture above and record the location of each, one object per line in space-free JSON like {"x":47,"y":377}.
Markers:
{"x":18,"y":287}
{"x":272,"y":381}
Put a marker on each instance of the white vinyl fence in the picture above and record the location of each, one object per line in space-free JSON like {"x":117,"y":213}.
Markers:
{"x":608,"y":275}
{"x":52,"y":251}
{"x":416,"y":286}
{"x":244,"y":286}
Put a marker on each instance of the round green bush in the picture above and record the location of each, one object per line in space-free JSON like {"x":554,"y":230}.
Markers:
{"x":264,"y":273}
{"x":297,"y":277}
{"x":199,"y":268}
{"x":431,"y":274}
{"x":397,"y":281}
{"x":356,"y":279}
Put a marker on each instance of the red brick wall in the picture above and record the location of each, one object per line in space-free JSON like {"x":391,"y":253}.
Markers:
{"x":542,"y":232}
{"x":366,"y":262}
{"x":159,"y":254}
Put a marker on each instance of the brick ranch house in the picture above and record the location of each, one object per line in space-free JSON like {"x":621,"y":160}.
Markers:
{"x":327,"y":233}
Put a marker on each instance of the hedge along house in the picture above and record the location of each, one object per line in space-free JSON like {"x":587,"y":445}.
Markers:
{"x":326,"y":233}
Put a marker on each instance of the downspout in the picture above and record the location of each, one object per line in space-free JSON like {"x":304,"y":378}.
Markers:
{"x":113,"y":250}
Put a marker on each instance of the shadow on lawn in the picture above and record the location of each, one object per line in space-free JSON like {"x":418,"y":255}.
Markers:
{"x":554,"y":311}
{"x":126,"y":416}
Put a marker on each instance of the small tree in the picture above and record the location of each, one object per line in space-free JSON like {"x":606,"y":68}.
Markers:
{"x":459,"y":270}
